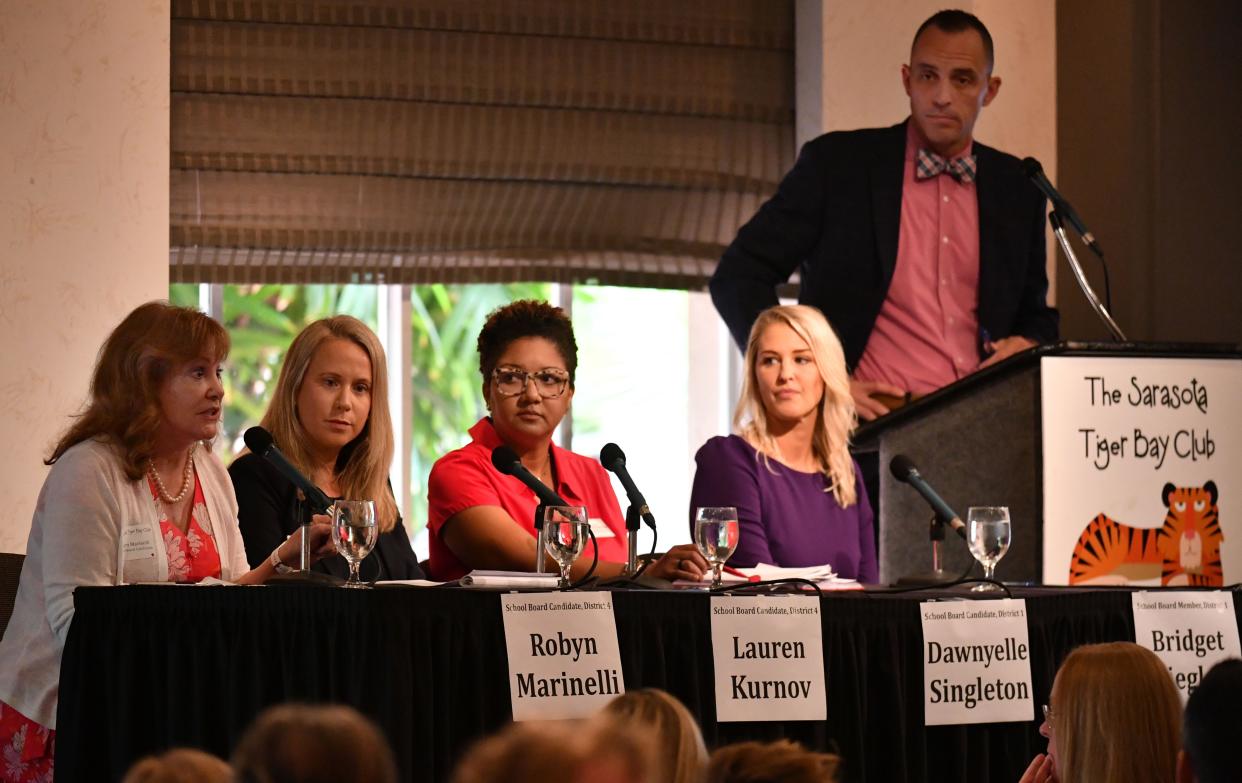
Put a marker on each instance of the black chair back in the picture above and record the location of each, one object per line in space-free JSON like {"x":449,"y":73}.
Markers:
{"x":10,"y":572}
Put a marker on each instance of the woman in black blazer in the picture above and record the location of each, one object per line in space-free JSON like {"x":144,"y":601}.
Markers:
{"x":329,"y":416}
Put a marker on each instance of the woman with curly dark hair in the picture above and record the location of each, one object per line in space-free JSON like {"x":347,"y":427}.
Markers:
{"x":480,"y":518}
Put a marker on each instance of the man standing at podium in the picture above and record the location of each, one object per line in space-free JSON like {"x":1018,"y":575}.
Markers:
{"x":924,"y":248}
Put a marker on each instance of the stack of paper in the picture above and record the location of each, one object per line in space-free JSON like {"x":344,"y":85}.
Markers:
{"x":514,"y":579}
{"x":822,"y":575}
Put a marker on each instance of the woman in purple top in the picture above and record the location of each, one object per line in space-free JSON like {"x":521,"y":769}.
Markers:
{"x":799,"y":496}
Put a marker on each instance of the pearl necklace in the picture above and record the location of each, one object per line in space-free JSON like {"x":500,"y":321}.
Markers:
{"x":187,"y":476}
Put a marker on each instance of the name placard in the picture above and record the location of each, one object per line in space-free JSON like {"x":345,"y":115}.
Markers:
{"x":564,"y":661}
{"x":769,"y":658}
{"x":1189,"y":631}
{"x":976,"y":662}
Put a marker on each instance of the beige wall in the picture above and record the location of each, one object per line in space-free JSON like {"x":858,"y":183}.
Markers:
{"x":850,"y":75}
{"x":83,"y":210}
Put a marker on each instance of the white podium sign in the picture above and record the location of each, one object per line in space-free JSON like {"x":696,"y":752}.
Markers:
{"x":769,"y":658}
{"x":1142,"y":466}
{"x":1189,"y":631}
{"x":564,"y":660}
{"x":976,"y":662}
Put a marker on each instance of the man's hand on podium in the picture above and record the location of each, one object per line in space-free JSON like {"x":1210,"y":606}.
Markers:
{"x":869,"y":408}
{"x":1005,"y":347}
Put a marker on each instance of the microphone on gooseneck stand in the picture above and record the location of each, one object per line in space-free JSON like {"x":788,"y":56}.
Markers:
{"x":902,"y":468}
{"x":613,"y":458}
{"x":506,"y":460}
{"x":259,"y":441}
{"x":1035,"y":172}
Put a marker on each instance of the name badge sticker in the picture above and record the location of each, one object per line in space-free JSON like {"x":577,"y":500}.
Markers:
{"x":139,"y":562}
{"x":976,"y":662}
{"x":564,"y":660}
{"x":1189,"y":631}
{"x":769,"y":658}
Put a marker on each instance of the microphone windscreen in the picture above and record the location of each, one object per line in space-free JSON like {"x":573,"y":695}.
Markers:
{"x":1031,"y":167}
{"x":612,"y":457}
{"x":504,"y":459}
{"x":901,"y":467}
{"x":258,"y":440}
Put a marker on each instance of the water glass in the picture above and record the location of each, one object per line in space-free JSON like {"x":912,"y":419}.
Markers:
{"x":988,"y":532}
{"x":354,"y":533}
{"x":716,"y":535}
{"x":566,"y":530}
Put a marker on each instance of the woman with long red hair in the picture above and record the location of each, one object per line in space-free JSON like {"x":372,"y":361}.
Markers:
{"x":134,"y":495}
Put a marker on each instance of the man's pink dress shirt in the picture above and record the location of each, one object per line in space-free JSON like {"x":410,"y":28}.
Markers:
{"x":926,"y":335}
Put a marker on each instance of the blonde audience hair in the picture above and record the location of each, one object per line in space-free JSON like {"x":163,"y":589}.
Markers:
{"x":1115,"y":716}
{"x":601,"y":750}
{"x":364,"y":476}
{"x":782,"y":761}
{"x":836,"y":418}
{"x":300,"y":743}
{"x":133,"y":364}
{"x":681,"y":753}
{"x":179,"y":765}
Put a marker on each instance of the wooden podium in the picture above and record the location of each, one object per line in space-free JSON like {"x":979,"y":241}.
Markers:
{"x":979,"y":442}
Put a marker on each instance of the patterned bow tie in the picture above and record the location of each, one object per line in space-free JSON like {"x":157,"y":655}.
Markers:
{"x":930,"y":164}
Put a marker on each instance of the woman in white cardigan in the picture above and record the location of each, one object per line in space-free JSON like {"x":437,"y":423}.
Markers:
{"x":106,"y":514}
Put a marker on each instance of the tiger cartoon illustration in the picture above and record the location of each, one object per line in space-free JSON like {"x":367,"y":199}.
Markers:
{"x":1185,"y":550}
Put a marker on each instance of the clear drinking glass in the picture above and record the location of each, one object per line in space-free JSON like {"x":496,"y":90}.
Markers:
{"x":566,"y":530}
{"x":988,"y":532}
{"x":354,"y":532}
{"x":715,"y":536}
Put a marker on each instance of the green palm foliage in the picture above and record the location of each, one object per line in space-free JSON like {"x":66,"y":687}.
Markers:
{"x":444,"y":382}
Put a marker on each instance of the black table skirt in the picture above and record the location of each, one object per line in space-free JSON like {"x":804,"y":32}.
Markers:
{"x":148,"y":668}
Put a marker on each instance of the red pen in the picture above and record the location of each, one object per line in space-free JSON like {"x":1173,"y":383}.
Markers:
{"x":735,"y":572}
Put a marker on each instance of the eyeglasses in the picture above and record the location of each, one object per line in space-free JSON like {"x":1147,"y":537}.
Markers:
{"x":1048,"y":715}
{"x":549,"y":382}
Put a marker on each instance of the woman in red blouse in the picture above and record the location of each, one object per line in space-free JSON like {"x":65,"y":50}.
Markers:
{"x":481,"y":518}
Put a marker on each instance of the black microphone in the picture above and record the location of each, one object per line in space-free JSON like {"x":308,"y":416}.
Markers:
{"x":903,"y":470}
{"x":613,"y":458}
{"x":507,"y":462}
{"x":259,"y":441}
{"x":1035,"y":173}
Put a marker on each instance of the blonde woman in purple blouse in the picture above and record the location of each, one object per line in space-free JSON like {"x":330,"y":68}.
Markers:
{"x":788,"y":471}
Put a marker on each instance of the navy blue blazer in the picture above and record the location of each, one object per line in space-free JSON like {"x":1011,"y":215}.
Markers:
{"x":836,"y":217}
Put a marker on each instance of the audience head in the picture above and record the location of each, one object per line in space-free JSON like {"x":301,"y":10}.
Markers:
{"x":680,"y":752}
{"x":781,"y":761}
{"x":528,"y":359}
{"x":179,"y":765}
{"x":1211,"y":727}
{"x":331,"y":406}
{"x":298,"y":743}
{"x":795,"y":368}
{"x":949,"y":79}
{"x":1114,"y":714}
{"x":596,"y":751}
{"x":156,"y":379}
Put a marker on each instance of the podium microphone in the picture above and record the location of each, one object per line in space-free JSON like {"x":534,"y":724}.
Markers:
{"x":1035,"y":173}
{"x":903,"y":470}
{"x":613,"y":458}
{"x":506,"y":460}
{"x":259,"y":441}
